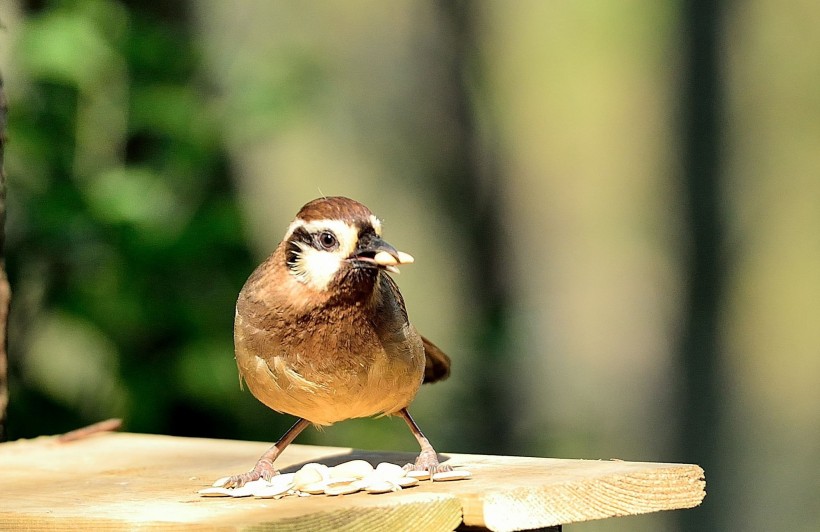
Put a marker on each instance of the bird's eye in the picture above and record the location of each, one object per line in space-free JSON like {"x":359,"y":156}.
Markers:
{"x":327,"y":240}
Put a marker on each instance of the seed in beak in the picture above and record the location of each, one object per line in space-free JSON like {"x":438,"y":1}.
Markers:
{"x":384,"y":258}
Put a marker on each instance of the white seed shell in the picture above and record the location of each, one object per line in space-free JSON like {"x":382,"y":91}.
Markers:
{"x":340,"y":480}
{"x":267,"y":492}
{"x":215,"y":491}
{"x":389,"y":471}
{"x":418,"y":475}
{"x":307,"y":475}
{"x":382,"y":486}
{"x":321,"y":468}
{"x":244,"y":491}
{"x":385,"y":259}
{"x":354,"y":468}
{"x":316,"y":488}
{"x":255,"y":484}
{"x":407,"y":482}
{"x":406,"y":258}
{"x":278,"y":485}
{"x":342,"y":489}
{"x":456,"y":474}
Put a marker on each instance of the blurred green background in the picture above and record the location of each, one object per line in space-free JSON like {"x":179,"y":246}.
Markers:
{"x":614,"y":208}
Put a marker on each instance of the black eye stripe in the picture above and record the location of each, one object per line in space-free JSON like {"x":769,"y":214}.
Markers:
{"x":300,"y":235}
{"x":367,"y":230}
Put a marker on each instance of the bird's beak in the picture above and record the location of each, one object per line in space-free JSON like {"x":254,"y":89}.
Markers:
{"x":375,"y":250}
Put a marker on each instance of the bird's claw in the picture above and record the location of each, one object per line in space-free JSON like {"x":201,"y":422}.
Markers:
{"x":428,"y":461}
{"x":263,"y":469}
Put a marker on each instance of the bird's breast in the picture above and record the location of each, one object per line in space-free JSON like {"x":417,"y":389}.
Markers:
{"x":329,"y":366}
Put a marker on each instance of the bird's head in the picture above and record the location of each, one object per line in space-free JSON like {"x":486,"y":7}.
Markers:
{"x":335,"y":245}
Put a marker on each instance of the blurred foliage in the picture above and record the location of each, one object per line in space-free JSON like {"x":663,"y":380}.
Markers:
{"x":534,"y":156}
{"x":125,"y":242}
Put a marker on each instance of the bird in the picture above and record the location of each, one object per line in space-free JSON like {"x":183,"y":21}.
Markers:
{"x":321,"y":331}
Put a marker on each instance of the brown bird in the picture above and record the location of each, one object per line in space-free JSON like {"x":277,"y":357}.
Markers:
{"x":321,"y":331}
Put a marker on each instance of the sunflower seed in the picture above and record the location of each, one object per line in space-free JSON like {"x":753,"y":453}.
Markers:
{"x":382,"y":486}
{"x":389,"y":471}
{"x":342,"y":489}
{"x":456,"y":474}
{"x":419,"y":475}
{"x":354,"y":468}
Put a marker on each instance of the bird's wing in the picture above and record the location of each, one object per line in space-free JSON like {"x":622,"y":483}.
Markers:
{"x":436,"y":363}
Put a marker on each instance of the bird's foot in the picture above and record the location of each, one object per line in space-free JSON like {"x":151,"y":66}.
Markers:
{"x":428,"y":461}
{"x":263,"y":469}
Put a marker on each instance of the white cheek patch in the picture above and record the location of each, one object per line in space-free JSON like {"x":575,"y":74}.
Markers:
{"x":317,"y":268}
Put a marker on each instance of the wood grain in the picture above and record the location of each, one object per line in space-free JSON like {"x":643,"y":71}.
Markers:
{"x":122,"y":481}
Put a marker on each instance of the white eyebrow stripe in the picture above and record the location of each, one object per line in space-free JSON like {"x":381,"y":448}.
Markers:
{"x":337,"y":226}
{"x":376,"y":223}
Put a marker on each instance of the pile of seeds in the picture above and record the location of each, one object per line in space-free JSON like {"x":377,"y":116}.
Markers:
{"x":343,"y":479}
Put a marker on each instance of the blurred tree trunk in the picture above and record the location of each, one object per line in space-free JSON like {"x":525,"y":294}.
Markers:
{"x":471,"y":193}
{"x":700,"y":357}
{"x":5,"y":290}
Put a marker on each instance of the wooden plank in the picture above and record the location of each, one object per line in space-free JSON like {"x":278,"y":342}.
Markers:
{"x":514,"y":493}
{"x":128,"y":480}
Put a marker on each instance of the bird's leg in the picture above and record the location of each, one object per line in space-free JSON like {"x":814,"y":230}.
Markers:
{"x":264,"y":466}
{"x":428,"y":458}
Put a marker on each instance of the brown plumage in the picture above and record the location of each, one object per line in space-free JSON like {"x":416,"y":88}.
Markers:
{"x":322,"y":333}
